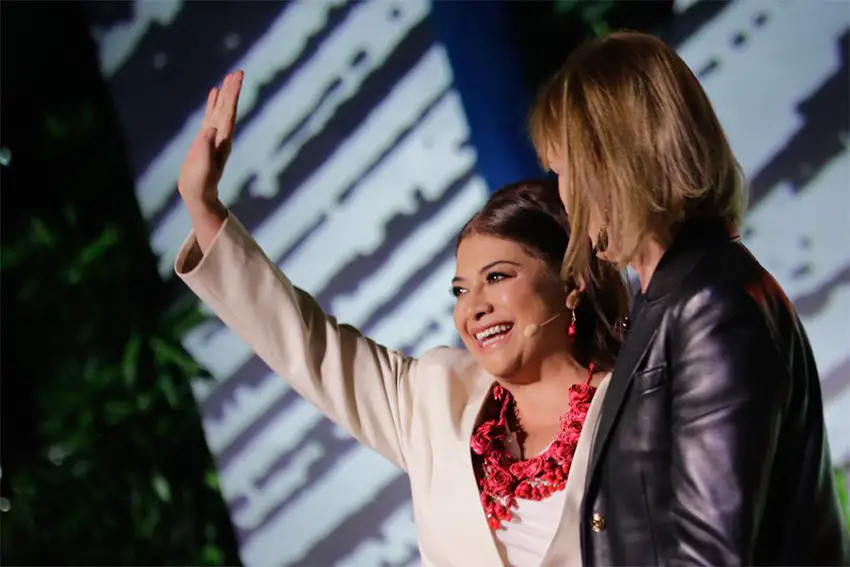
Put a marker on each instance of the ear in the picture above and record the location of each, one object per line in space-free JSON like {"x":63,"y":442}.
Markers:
{"x":571,"y":285}
{"x":574,"y":297}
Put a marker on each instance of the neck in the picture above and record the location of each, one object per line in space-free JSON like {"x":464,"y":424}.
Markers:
{"x":646,"y":261}
{"x":543,"y":400}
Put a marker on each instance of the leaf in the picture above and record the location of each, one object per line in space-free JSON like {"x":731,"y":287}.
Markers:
{"x":596,"y":10}
{"x":564,"y":6}
{"x":117,"y":411}
{"x":600,"y":28}
{"x":131,"y":359}
{"x":149,"y":522}
{"x":143,"y":401}
{"x":211,"y":480}
{"x":162,"y":488}
{"x":169,"y":392}
{"x":73,"y":276}
{"x":41,"y":233}
{"x":183,"y":316}
{"x":212,"y":555}
{"x":841,"y":483}
{"x":12,"y":255}
{"x":81,"y":468}
{"x":168,"y":354}
{"x":96,"y":249}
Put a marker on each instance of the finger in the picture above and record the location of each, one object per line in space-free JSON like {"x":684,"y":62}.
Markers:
{"x":211,"y":99}
{"x":222,"y":93}
{"x":226,"y":115}
{"x":234,"y":102}
{"x":221,"y":102}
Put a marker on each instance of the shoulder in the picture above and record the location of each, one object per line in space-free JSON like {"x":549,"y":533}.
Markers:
{"x":732,"y":287}
{"x":451,"y":369}
{"x":713,"y":300}
{"x":455,"y":361}
{"x":734,"y":324}
{"x":450,"y":379}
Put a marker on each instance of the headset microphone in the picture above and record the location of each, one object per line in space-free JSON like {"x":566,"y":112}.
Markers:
{"x":533,"y":329}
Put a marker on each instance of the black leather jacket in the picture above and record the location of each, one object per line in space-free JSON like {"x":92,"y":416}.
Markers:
{"x":711,"y":448}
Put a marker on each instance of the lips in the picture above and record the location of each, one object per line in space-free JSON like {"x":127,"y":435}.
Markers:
{"x":493,"y":334}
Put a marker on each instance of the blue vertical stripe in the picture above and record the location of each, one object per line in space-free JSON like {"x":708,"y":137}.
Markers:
{"x":488,"y":75}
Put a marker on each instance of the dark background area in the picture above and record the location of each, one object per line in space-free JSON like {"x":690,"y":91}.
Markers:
{"x":103,"y":456}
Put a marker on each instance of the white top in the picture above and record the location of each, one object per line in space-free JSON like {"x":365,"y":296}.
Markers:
{"x":525,"y":540}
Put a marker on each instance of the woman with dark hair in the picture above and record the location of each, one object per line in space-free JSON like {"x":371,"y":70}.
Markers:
{"x":495,"y":438}
{"x":711,"y":448}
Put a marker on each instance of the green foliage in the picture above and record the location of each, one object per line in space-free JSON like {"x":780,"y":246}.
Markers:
{"x":842,"y":482}
{"x":118,"y":473}
{"x":592,"y":12}
{"x":104,"y":459}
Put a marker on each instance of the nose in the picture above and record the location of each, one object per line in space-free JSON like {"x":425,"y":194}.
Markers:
{"x":478,"y":307}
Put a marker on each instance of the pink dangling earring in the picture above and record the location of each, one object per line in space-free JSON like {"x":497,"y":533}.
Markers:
{"x":571,"y":330}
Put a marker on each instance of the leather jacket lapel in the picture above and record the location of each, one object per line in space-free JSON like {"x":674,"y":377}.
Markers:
{"x":640,"y":336}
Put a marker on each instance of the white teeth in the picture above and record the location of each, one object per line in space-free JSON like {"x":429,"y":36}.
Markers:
{"x":490,"y":331}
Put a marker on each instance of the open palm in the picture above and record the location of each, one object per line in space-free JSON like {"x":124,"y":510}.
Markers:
{"x":204,"y":163}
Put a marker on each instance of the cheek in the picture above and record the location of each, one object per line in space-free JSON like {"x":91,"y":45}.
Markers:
{"x":511,"y":298}
{"x":522,"y":300}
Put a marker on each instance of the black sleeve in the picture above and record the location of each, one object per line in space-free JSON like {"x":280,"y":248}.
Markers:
{"x":729,"y":384}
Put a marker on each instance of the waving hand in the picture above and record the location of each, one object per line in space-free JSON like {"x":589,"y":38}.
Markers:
{"x":204,"y":163}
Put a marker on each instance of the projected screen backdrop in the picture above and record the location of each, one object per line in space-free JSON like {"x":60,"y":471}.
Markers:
{"x":352,"y":167}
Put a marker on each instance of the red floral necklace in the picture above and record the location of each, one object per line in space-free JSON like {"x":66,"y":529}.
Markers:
{"x":503,"y":478}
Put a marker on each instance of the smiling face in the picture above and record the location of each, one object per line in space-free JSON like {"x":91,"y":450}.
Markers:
{"x":501,"y":289}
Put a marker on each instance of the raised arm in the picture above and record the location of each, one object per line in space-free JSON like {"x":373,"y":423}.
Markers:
{"x":362,"y":386}
{"x":729,"y":389}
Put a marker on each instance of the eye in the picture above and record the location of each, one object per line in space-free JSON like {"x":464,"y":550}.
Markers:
{"x":494,"y":277}
{"x":457,"y":291}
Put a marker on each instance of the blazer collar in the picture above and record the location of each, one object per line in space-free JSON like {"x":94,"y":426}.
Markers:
{"x":479,"y":535}
{"x":693,"y":241}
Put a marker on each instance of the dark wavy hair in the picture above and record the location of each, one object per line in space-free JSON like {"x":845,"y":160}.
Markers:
{"x":531,"y":214}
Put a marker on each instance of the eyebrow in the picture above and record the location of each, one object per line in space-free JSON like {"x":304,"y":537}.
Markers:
{"x":487,"y":267}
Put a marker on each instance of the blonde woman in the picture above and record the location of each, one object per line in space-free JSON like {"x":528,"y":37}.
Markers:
{"x":711,"y":447}
{"x":494,"y":438}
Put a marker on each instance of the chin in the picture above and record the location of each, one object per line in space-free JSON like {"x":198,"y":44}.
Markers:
{"x":501,"y":369}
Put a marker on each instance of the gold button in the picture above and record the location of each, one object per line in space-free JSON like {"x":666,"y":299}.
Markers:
{"x":597,"y":523}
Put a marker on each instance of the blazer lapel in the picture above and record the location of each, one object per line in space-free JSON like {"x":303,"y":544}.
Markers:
{"x":640,"y":337}
{"x":474,"y":520}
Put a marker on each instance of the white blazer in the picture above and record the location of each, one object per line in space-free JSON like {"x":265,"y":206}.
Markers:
{"x":418,"y":413}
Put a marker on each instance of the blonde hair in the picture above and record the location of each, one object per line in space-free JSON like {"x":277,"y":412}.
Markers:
{"x":640,"y":142}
